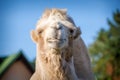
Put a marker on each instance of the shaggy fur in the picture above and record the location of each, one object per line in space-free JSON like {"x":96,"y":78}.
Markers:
{"x":68,"y":60}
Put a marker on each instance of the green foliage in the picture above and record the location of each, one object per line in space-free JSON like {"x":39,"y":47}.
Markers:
{"x":106,"y":49}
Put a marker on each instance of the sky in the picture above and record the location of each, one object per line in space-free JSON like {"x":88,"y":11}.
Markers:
{"x":19,"y":17}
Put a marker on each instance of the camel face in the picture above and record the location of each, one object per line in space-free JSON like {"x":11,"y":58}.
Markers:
{"x":55,"y":30}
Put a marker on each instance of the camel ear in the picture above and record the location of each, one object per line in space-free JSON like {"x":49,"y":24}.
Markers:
{"x":77,"y":33}
{"x":34,"y":36}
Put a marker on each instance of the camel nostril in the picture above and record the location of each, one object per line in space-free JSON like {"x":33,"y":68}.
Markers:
{"x":59,"y":27}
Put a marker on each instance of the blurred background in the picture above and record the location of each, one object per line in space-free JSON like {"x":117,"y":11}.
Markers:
{"x":99,"y":21}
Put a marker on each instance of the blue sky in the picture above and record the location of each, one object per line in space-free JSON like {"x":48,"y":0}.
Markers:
{"x":19,"y":17}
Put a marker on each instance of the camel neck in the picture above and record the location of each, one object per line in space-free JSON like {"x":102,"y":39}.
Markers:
{"x":54,"y":66}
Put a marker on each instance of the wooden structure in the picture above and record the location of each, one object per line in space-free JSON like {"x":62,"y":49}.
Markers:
{"x":15,"y":67}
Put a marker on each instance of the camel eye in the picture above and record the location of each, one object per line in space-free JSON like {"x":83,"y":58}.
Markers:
{"x":39,"y":32}
{"x":71,"y":31}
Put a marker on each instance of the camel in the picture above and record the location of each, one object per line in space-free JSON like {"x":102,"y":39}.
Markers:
{"x":61,"y":52}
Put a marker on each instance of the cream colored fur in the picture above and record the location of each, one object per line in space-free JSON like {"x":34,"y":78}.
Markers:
{"x":61,"y":53}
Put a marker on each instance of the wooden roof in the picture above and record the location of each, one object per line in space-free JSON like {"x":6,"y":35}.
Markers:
{"x":11,"y":59}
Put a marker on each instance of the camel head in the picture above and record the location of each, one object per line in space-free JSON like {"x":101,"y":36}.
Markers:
{"x":55,"y":30}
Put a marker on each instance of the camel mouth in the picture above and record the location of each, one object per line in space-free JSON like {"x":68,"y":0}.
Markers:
{"x":50,"y":40}
{"x":56,"y":43}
